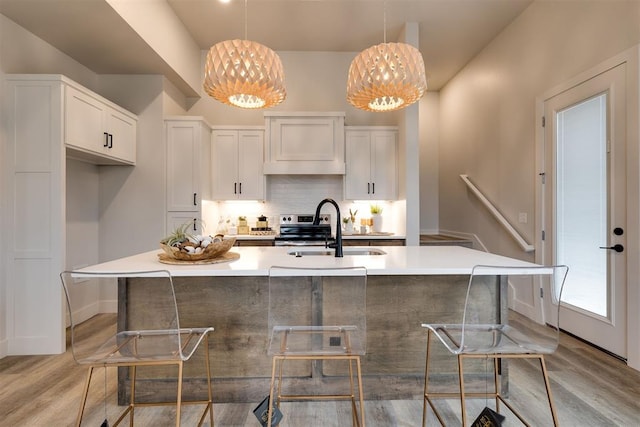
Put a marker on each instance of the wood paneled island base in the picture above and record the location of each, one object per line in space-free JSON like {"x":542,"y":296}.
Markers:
{"x":237,"y":307}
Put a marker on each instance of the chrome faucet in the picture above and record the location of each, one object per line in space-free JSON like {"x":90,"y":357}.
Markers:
{"x":316,"y":221}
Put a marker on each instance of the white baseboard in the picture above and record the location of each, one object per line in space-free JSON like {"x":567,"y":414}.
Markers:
{"x":4,"y":348}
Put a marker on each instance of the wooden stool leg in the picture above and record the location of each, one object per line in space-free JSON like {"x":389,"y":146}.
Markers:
{"x":461,"y":379}
{"x":362,"y":417}
{"x":426,"y":381}
{"x":132,"y":401}
{"x":179,"y":396}
{"x":547,"y":385}
{"x":85,"y":394}
{"x":271,"y":390}
{"x":208,"y":366}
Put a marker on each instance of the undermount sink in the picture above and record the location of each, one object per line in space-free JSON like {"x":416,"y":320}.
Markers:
{"x":331,"y":252}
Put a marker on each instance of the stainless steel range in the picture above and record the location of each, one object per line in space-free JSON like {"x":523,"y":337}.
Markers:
{"x":299,"y":230}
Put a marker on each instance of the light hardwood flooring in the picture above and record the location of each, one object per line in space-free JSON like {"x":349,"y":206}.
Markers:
{"x":590,"y":389}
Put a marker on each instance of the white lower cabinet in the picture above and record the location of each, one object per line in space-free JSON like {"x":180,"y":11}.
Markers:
{"x":371,"y":163}
{"x":237,"y":157}
{"x":188,"y":141}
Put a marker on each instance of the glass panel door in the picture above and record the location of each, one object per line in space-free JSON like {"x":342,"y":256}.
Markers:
{"x":581,"y":200}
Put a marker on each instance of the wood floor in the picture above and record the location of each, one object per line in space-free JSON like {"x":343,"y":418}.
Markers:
{"x":590,"y":389}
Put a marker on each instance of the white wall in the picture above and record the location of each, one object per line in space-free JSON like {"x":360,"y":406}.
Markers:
{"x":487,"y":115}
{"x":429,"y":134}
{"x":132,"y":199}
{"x":82,"y":215}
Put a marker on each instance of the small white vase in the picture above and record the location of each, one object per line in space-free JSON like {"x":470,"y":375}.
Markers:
{"x":348,"y":227}
{"x":377,"y":222}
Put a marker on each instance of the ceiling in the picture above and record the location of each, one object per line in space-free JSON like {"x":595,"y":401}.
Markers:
{"x":451,"y":32}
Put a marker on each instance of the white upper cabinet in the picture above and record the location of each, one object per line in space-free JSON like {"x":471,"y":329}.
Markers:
{"x":98,"y":131}
{"x":188,"y":153}
{"x":304,"y":143}
{"x":237,"y":164}
{"x":371,"y":163}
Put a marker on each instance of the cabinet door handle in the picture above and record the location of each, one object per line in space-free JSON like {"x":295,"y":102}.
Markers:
{"x":368,"y":188}
{"x":195,"y":203}
{"x":240,"y":186}
{"x":235,"y":188}
{"x":106,"y":140}
{"x":110,"y":141}
{"x":373,"y":186}
{"x":194,"y":224}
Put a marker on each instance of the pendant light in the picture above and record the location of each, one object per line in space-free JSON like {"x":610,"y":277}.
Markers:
{"x":386,"y":77}
{"x":244,"y":73}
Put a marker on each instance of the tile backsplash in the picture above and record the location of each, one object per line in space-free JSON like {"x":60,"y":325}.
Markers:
{"x":302,"y":193}
{"x":296,"y":194}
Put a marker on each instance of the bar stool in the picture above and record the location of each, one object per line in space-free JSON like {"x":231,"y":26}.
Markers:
{"x":155,"y":340}
{"x":318,"y":315}
{"x":484,"y":334}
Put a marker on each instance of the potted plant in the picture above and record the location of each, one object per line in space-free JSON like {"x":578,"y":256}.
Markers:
{"x":376,"y":217}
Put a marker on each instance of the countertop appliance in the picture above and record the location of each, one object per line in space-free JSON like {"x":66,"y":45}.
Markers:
{"x":298,"y":230}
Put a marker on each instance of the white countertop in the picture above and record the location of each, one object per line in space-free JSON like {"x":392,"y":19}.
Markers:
{"x":256,"y":261}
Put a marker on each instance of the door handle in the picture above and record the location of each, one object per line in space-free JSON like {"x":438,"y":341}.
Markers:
{"x":106,"y":140}
{"x":618,"y":247}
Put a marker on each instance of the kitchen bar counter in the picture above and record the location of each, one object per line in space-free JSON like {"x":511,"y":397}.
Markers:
{"x":256,"y":261}
{"x":406,"y":287}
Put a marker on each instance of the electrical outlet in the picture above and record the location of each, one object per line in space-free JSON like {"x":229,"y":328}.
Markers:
{"x":522,"y":217}
{"x":334,"y":341}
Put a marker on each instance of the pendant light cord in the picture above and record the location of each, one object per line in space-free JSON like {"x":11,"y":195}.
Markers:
{"x":384,"y":21}
{"x":245,"y":20}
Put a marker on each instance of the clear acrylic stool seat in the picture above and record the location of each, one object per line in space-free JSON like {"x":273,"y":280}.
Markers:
{"x":318,"y":316}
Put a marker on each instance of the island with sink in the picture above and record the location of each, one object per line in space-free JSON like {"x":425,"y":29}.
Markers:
{"x":406,"y":286}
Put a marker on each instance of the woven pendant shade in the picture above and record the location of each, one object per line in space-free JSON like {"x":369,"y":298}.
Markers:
{"x":244,"y":74}
{"x":386,"y":77}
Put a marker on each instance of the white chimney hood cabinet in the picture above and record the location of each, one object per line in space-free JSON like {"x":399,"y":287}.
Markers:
{"x":304,"y":143}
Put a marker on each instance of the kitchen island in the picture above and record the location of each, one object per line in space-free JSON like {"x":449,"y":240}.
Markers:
{"x":406,"y":286}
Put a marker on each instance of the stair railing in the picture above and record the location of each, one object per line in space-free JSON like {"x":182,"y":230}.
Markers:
{"x":498,"y":216}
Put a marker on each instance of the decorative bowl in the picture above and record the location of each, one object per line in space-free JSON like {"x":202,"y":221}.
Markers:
{"x":213,"y":250}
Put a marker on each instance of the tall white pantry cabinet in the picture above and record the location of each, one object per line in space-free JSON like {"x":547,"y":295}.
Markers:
{"x":188,"y":171}
{"x":41,"y":131}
